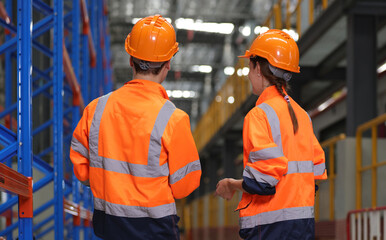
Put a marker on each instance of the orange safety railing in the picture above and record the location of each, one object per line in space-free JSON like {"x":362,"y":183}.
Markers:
{"x":274,"y":18}
{"x":373,"y":126}
{"x":329,"y":144}
{"x":229,"y":98}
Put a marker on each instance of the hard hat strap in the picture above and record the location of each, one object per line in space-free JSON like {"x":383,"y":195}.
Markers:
{"x":145,"y":65}
{"x":280,"y":73}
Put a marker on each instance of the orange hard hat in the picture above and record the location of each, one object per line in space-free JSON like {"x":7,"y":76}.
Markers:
{"x":278,"y":48}
{"x":152,"y":39}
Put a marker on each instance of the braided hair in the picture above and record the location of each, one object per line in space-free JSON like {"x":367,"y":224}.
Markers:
{"x":279,"y":83}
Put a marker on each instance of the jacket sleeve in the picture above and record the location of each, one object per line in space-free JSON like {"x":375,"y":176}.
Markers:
{"x":79,"y":152}
{"x":265,"y":161}
{"x":320,"y":171}
{"x":184,"y":162}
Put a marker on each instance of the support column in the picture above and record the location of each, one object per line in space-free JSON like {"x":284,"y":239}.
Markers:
{"x":361,"y":70}
{"x":24,"y":109}
{"x":58,"y":118}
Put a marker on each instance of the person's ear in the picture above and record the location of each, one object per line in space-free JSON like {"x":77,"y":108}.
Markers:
{"x":258,"y":69}
{"x":167,"y":65}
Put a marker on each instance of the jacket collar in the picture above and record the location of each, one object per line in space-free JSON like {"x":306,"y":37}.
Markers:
{"x":268,"y":93}
{"x":150,"y":86}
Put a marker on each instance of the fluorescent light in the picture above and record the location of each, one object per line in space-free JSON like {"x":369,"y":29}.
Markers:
{"x":239,"y":72}
{"x":181,"y":94}
{"x":218,"y":98}
{"x":135,"y":20}
{"x":246,"y":31}
{"x":202,"y":68}
{"x":229,"y":70}
{"x":260,"y":30}
{"x":177,"y":93}
{"x":199,"y":25}
{"x":186,"y":94}
{"x":231,"y":99}
{"x":245,"y":71}
{"x":382,"y":68}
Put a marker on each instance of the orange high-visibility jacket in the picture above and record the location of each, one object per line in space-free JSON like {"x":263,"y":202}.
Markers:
{"x":280,"y":167}
{"x":136,"y":150}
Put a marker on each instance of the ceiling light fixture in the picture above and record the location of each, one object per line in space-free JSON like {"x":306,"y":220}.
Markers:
{"x":199,"y":25}
{"x":229,"y":70}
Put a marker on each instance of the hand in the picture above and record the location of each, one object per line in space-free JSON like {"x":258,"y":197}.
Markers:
{"x":225,"y":188}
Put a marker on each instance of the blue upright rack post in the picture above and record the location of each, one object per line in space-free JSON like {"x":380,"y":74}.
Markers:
{"x":58,"y":117}
{"x":24,"y":116}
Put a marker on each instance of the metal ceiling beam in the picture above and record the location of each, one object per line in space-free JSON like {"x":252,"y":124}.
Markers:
{"x":368,"y":7}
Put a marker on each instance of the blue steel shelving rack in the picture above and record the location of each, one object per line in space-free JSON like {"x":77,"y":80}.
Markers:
{"x":68,"y":84}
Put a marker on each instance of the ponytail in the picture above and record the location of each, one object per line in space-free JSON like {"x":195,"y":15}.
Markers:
{"x":279,"y":83}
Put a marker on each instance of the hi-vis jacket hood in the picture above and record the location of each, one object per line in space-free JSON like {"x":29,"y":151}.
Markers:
{"x":280,"y":168}
{"x":136,"y":150}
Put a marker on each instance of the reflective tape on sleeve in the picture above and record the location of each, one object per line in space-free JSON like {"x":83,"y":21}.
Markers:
{"x":252,"y":173}
{"x":300,"y":167}
{"x":182,"y":172}
{"x":135,"y":211}
{"x":79,"y":148}
{"x":319,"y":169}
{"x":276,"y":216}
{"x":266,"y":153}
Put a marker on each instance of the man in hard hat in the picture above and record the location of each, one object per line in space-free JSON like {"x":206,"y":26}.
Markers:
{"x":134,"y":148}
{"x":282,"y":157}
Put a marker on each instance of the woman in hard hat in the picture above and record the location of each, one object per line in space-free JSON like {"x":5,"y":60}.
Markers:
{"x":282,"y":157}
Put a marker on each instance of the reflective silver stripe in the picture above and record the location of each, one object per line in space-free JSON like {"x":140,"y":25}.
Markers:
{"x":79,"y":148}
{"x":276,"y":216}
{"x":156,"y":134}
{"x":86,"y":183}
{"x":137,"y":170}
{"x":182,"y":172}
{"x":319,"y":169}
{"x":152,"y":169}
{"x":94,"y":130}
{"x":134,"y":211}
{"x":264,"y":154}
{"x":252,"y":173}
{"x":274,"y":123}
{"x":300,"y":167}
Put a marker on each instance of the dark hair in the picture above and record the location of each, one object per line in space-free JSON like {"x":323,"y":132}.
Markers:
{"x":154,"y":71}
{"x":279,"y":83}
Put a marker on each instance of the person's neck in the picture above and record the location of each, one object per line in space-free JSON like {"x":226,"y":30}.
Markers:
{"x":149,"y":77}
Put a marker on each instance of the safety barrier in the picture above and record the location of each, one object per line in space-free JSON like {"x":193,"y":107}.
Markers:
{"x":329,"y":147}
{"x":231,"y":96}
{"x":366,"y":224}
{"x":61,"y":52}
{"x":293,"y":14}
{"x":374,"y":165}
